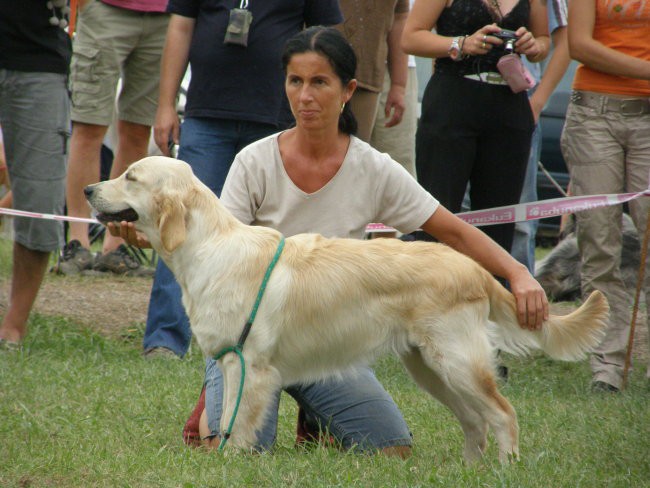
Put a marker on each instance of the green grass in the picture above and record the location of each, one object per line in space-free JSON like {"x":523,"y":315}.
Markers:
{"x":78,"y":409}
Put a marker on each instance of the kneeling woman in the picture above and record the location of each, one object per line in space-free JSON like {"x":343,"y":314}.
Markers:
{"x":318,"y":177}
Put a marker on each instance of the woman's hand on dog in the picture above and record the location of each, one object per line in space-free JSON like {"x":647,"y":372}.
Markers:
{"x":532,"y":304}
{"x":126,"y":230}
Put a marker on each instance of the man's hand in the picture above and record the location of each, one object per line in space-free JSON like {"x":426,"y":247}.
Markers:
{"x":395,"y":105}
{"x":166,"y":128}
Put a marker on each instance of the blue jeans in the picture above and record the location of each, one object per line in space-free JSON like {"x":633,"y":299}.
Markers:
{"x":209,"y":146}
{"x":356,"y":410}
{"x":523,"y":243}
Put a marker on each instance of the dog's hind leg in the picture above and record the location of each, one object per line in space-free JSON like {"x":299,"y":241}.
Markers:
{"x":463,"y":361}
{"x":470,"y":372}
{"x":261,"y":383}
{"x":500,"y":414}
{"x":474,"y":427}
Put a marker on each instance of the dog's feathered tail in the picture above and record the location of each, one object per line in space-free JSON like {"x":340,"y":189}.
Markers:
{"x":566,"y":338}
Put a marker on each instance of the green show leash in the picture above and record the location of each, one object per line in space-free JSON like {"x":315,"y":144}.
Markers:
{"x":237,"y":349}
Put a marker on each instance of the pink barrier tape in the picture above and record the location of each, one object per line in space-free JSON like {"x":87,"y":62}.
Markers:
{"x":35,"y":215}
{"x":536,"y":210}
{"x":500,"y":215}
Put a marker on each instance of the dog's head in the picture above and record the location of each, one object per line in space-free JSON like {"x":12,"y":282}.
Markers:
{"x":152,"y":192}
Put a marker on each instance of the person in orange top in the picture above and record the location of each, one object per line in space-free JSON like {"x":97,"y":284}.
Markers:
{"x":606,"y":144}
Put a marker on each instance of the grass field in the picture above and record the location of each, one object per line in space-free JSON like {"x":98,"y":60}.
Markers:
{"x":80,"y":409}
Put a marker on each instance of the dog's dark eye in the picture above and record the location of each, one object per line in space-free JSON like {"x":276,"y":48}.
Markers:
{"x":129,"y":176}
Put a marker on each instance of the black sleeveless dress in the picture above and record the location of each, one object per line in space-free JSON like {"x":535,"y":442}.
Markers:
{"x":470,"y":131}
{"x":464,"y":17}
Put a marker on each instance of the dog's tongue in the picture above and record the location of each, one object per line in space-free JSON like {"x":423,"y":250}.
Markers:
{"x":128,"y":215}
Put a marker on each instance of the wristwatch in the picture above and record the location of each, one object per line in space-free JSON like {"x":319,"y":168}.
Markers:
{"x":454,"y":50}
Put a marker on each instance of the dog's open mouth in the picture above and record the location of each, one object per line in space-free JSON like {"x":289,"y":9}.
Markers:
{"x":129,"y":215}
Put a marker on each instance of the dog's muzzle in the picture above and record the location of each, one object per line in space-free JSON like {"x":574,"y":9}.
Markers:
{"x":127,"y":214}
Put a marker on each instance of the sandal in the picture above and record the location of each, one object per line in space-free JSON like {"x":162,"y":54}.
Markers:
{"x":9,"y":346}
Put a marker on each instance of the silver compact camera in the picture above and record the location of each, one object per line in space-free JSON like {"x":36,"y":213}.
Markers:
{"x":508,"y":37}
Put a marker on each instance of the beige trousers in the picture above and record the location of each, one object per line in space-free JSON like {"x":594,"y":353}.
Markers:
{"x":608,"y":153}
{"x":399,"y":140}
{"x":364,"y":107}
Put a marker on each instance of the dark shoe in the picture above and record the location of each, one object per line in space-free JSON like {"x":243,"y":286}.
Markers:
{"x":121,"y":262}
{"x":191,"y":435}
{"x":160,"y":352}
{"x":308,"y":432}
{"x":502,"y":373}
{"x":601,"y":386}
{"x":74,"y":259}
{"x":408,"y":237}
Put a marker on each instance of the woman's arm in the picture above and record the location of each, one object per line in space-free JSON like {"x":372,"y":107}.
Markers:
{"x":397,"y":62}
{"x":532,"y":304}
{"x":535,"y":43}
{"x":418,"y":39}
{"x":584,"y":48}
{"x":553,"y":72}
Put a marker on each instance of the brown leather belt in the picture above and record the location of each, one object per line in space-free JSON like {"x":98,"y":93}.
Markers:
{"x":603,"y":103}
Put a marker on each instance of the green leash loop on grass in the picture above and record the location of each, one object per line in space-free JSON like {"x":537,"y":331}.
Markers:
{"x":242,"y":338}
{"x":237,"y":350}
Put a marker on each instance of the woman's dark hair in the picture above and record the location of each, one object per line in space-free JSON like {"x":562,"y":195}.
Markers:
{"x":329,"y":43}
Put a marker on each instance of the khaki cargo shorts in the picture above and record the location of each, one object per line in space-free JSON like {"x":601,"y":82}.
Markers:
{"x":116,"y":51}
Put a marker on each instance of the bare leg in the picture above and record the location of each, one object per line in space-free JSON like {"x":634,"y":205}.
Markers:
{"x":27,"y":276}
{"x":83,"y":170}
{"x":133,"y":144}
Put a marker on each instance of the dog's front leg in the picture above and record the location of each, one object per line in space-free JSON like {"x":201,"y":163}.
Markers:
{"x":261,"y":383}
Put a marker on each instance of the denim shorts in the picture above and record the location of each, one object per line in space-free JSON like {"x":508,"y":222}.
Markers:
{"x":356,"y":410}
{"x":35,"y":120}
{"x":113,"y":43}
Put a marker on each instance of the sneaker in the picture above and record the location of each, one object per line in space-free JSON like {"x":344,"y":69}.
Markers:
{"x":121,"y":262}
{"x":74,"y":259}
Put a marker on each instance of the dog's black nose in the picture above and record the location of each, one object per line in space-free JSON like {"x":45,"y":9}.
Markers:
{"x":88,"y":191}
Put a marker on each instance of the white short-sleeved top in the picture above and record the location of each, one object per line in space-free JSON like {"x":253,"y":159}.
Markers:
{"x":368,"y":187}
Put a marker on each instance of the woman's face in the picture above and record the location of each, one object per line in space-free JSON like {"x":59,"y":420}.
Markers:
{"x":315,"y":92}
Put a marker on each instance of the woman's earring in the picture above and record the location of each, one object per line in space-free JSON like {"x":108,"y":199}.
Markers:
{"x":342,"y":107}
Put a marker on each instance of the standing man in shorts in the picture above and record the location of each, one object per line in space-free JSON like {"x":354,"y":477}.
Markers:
{"x":35,"y":117}
{"x":115,"y":39}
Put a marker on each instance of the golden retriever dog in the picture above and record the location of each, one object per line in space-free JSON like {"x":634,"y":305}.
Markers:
{"x":331,"y":304}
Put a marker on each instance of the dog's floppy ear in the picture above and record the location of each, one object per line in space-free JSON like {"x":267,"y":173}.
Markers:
{"x":171,"y":222}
